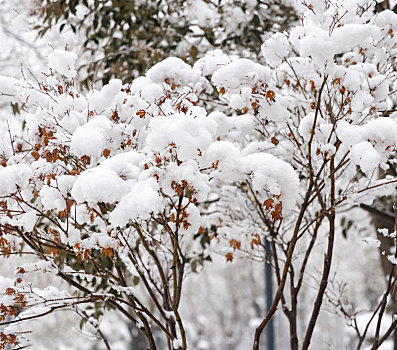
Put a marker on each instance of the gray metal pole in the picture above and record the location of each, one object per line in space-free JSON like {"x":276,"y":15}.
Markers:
{"x":395,"y":334}
{"x":269,"y":294}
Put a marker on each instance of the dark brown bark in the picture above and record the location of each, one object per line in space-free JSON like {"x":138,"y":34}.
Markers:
{"x":327,"y":263}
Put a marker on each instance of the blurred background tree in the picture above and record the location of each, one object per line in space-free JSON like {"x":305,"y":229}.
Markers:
{"x":126,"y":37}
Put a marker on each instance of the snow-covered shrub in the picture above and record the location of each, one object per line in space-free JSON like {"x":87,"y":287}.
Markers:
{"x":118,"y":191}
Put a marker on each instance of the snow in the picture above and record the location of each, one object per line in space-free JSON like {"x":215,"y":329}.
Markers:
{"x":151,"y":92}
{"x":365,"y":156}
{"x":126,"y":164}
{"x":63,"y":62}
{"x":361,"y":100}
{"x":316,"y":44}
{"x":386,"y":18}
{"x":100,"y":240}
{"x":228,"y":158}
{"x":306,"y":126}
{"x":188,"y":132}
{"x":138,"y":203}
{"x":98,"y":185}
{"x":239,"y":73}
{"x":174,"y":69}
{"x":270,"y":175}
{"x":382,"y":131}
{"x":13,"y":177}
{"x":99,"y":100}
{"x":202,"y":13}
{"x":379,"y":86}
{"x":212,"y":61}
{"x":52,"y":199}
{"x":392,"y":259}
{"x":275,"y":49}
{"x":68,"y":105}
{"x":328,"y":149}
{"x":384,"y":231}
{"x":138,"y":84}
{"x":274,"y":110}
{"x":65,"y":184}
{"x":93,"y":137}
{"x":369,"y":141}
{"x":43,"y":266}
{"x":88,"y":141}
{"x":352,"y":35}
{"x":28,"y":220}
{"x":275,"y":177}
{"x":237,"y":102}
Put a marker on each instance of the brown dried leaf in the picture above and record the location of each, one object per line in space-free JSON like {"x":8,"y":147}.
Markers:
{"x":35,"y":155}
{"x":106,"y":153}
{"x":235,"y":244}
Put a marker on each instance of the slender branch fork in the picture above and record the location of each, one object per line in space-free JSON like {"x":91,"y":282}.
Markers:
{"x":295,"y":236}
{"x":129,"y":305}
{"x":321,"y":187}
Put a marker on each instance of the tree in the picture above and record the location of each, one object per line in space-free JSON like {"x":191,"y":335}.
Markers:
{"x":125,"y":38}
{"x":118,"y":192}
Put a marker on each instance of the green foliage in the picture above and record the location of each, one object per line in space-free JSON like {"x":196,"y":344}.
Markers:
{"x":346,"y":225}
{"x":204,"y":236}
